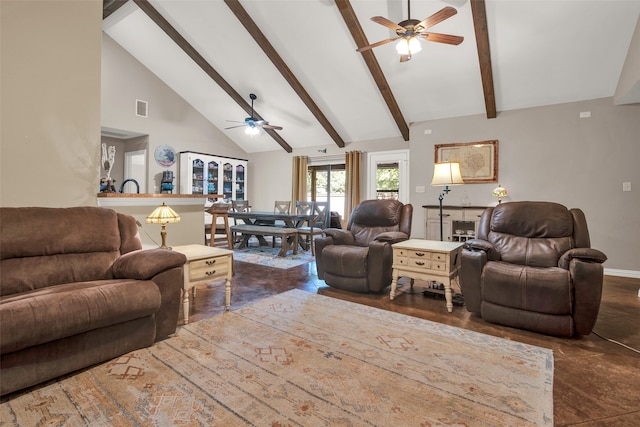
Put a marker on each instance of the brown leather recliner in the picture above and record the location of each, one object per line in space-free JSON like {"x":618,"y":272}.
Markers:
{"x":532,"y":267}
{"x":359,"y":258}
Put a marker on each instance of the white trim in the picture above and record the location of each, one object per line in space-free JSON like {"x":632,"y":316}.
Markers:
{"x":402,"y":157}
{"x":622,"y":273}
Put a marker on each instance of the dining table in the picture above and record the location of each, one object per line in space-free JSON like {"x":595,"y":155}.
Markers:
{"x":289,"y":220}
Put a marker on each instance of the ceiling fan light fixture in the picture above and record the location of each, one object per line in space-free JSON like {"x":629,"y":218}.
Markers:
{"x":408,"y":46}
{"x":252,"y":130}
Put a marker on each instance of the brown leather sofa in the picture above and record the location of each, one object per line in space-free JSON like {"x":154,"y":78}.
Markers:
{"x":76,"y":290}
{"x":359,"y":258}
{"x":532,"y":267}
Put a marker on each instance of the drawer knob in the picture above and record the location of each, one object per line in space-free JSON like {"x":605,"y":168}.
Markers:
{"x":210,"y":273}
{"x":210,"y":261}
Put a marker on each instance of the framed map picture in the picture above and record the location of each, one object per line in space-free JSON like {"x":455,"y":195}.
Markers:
{"x":478,"y":160}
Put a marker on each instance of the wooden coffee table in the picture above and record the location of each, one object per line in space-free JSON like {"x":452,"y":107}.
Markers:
{"x":205,"y":264}
{"x":426,"y":260}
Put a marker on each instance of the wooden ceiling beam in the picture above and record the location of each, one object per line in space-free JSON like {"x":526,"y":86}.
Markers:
{"x":281,"y":66}
{"x":174,"y":35}
{"x":479,"y":14}
{"x":110,"y":6}
{"x":360,"y":38}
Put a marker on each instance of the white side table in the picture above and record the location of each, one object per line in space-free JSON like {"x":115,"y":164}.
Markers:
{"x":426,"y":260}
{"x":205,"y":264}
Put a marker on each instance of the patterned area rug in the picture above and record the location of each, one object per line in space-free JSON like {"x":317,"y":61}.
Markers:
{"x":267,"y":256}
{"x":306,"y":360}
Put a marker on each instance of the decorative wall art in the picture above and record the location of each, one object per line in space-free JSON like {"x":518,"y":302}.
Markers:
{"x":478,"y":160}
{"x":165,"y":155}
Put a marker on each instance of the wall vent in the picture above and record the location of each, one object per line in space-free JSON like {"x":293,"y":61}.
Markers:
{"x":142,"y":108}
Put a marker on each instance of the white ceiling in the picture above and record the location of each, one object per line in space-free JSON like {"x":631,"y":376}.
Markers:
{"x":542,"y":52}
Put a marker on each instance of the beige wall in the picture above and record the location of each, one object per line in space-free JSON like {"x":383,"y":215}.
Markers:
{"x":549,"y":153}
{"x":50,"y":80}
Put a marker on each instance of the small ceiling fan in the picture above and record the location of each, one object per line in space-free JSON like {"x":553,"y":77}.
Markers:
{"x":410,"y":30}
{"x":253,"y":123}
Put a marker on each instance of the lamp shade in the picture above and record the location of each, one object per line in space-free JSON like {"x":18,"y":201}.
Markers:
{"x":163,"y":215}
{"x":446,"y":174}
{"x":499,"y":191}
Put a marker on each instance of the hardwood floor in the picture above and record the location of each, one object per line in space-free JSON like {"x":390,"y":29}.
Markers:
{"x":596,"y":382}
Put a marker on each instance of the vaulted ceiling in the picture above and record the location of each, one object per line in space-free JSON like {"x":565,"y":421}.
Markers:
{"x":299,"y":58}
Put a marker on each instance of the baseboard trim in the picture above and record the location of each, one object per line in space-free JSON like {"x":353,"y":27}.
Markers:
{"x":622,"y":273}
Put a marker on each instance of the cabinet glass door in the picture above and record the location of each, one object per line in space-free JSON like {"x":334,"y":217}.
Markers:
{"x":213,"y":168}
{"x":197,"y":186}
{"x":227,"y":181}
{"x":240,"y":183}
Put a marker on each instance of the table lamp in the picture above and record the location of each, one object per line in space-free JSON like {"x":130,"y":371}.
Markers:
{"x":163,"y":215}
{"x":499,"y":192}
{"x":445,"y":174}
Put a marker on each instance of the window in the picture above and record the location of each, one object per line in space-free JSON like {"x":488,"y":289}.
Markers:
{"x":388,"y":173}
{"x":387,"y":181}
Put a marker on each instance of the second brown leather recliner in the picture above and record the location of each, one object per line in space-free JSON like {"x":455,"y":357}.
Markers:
{"x":532,"y":267}
{"x":360,"y":257}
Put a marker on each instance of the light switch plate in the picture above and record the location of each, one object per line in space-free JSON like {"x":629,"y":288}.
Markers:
{"x":626,"y":186}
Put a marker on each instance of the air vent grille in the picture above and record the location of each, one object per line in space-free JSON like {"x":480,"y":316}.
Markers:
{"x":142,"y":108}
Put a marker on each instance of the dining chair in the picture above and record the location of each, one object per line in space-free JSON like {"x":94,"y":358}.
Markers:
{"x":238,"y":206}
{"x":283,"y":207}
{"x":318,"y":224}
{"x":303,"y":207}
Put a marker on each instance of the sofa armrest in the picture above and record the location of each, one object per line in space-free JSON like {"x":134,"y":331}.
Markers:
{"x":340,"y":236}
{"x":392,"y":237}
{"x":583,"y":254}
{"x":470,"y":275}
{"x":145,"y":264}
{"x":476,"y":245}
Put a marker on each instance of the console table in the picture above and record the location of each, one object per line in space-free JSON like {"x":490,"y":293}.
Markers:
{"x":426,"y":260}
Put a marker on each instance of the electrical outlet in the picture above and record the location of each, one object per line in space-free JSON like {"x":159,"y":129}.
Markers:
{"x":427,"y":131}
{"x":585,"y":114}
{"x":420,"y":189}
{"x":626,"y":186}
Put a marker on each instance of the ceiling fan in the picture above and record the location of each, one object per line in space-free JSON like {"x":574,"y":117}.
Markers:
{"x":410,"y":30}
{"x":253,"y":123}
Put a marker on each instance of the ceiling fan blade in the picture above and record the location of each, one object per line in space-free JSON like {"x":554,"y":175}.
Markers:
{"x":442,"y":38}
{"x":272,"y":127}
{"x":233,"y":127}
{"x":389,"y":24}
{"x":380,"y":43}
{"x":437,"y":17}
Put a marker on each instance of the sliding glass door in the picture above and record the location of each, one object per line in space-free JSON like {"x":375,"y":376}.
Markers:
{"x":327,"y":183}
